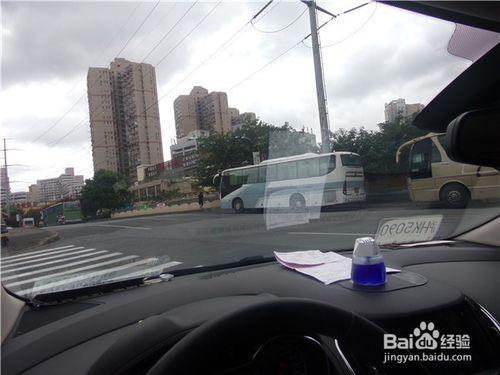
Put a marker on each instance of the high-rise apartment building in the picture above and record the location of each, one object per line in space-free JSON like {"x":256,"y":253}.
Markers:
{"x":124,"y":117}
{"x":398,"y":108}
{"x":201,"y":110}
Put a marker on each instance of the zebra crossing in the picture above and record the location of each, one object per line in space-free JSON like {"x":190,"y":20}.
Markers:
{"x":70,"y":266}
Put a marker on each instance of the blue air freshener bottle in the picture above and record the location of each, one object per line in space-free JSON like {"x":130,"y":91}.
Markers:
{"x":368,"y":267}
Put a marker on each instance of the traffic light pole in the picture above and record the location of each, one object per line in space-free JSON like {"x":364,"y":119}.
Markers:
{"x":318,"y":71}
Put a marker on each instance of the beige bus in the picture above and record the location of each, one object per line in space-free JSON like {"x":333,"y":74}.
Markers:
{"x":433,"y":176}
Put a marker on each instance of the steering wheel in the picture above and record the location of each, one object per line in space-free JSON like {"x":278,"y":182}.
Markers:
{"x":203,"y":348}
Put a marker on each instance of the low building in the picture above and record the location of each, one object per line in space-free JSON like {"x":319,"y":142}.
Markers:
{"x":67,"y":185}
{"x":33,"y":193}
{"x":242,"y":119}
{"x":145,"y":190}
{"x":19,"y":197}
{"x":185,"y":151}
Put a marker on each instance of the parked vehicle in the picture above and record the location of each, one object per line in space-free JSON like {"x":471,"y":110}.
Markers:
{"x":4,"y":235}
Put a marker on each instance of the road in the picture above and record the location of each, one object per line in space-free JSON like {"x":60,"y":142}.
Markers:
{"x":201,"y":238}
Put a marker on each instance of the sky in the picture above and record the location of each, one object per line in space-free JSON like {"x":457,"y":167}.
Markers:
{"x":370,"y":56}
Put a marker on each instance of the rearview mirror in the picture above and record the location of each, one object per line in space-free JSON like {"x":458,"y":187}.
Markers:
{"x":474,"y":138}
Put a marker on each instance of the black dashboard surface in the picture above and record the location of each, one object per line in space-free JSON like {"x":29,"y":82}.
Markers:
{"x":41,"y":345}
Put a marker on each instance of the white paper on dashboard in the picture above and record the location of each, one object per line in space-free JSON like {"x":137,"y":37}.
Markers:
{"x":307,"y":258}
{"x":335,"y":267}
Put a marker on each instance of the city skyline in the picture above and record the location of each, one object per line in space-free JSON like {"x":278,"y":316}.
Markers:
{"x":277,"y":94}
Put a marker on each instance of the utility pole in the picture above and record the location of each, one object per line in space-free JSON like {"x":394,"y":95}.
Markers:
{"x":7,"y":205}
{"x":318,"y":71}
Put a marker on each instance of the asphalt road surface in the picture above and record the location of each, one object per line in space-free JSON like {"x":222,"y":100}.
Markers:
{"x":175,"y":241}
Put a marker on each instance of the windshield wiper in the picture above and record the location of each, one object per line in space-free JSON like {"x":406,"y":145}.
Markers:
{"x":248,"y":261}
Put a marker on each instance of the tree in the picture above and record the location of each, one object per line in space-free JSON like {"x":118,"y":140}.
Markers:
{"x":107,"y":190}
{"x":377,"y":148}
{"x":235,"y":149}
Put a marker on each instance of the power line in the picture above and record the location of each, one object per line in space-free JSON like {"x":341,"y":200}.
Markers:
{"x":220,"y":48}
{"x":79,"y":124}
{"x":267,"y":64}
{"x":189,"y":33}
{"x":291,"y":48}
{"x":169,"y":31}
{"x":58,"y":120}
{"x":98,"y":56}
{"x":283,"y":28}
{"x":182,"y":17}
{"x":139,"y":27}
{"x":355,"y":31}
{"x":160,"y":21}
{"x":276,"y":3}
{"x":84,"y":94}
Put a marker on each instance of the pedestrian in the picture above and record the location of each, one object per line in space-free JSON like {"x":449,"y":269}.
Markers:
{"x":200,"y":199}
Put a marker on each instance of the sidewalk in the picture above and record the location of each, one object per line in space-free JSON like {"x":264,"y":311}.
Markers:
{"x":177,"y":208}
{"x":21,"y":239}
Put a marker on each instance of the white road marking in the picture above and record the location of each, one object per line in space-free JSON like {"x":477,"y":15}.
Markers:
{"x":40,"y":255}
{"x":46,"y":257}
{"x":57,"y":274}
{"x":35,"y":252}
{"x":66,"y":265}
{"x":120,"y":226}
{"x":333,"y":234}
{"x":38,"y":288}
{"x":53,"y":261}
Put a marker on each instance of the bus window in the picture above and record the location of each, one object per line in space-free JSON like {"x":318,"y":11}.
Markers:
{"x":308,"y":168}
{"x":262,"y":174}
{"x":272,"y":173}
{"x":287,"y":171}
{"x":252,"y":175}
{"x":420,"y":159}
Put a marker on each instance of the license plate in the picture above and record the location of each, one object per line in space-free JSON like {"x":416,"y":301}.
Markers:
{"x":408,"y":229}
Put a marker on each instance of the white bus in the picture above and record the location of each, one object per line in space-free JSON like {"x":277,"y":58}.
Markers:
{"x":307,"y":180}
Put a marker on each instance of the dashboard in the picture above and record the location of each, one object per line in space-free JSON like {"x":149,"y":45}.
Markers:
{"x":129,"y":330}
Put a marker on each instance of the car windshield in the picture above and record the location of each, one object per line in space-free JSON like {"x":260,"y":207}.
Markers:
{"x":146,"y":138}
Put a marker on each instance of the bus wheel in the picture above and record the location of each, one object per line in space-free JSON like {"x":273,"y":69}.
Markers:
{"x":297,"y":202}
{"x":455,"y":195}
{"x":238,"y":205}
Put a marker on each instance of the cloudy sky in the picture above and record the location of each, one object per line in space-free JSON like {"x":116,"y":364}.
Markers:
{"x":370,"y":56}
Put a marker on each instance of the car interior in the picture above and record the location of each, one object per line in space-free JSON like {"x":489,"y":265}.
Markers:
{"x":257,"y":317}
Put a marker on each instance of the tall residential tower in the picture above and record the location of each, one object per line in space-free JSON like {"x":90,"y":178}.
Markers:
{"x":124,"y":117}
{"x":201,"y":110}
